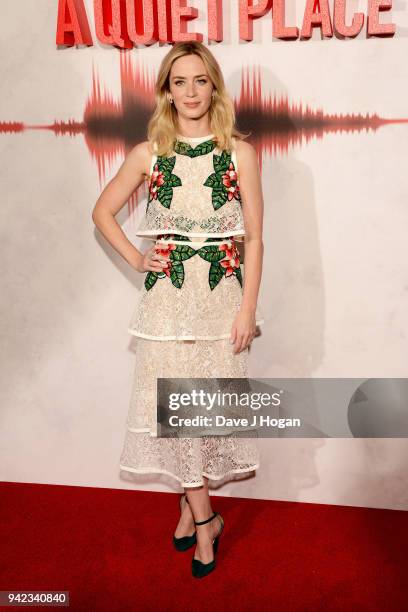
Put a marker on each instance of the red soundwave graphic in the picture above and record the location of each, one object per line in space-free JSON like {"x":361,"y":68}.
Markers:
{"x":276,"y":124}
{"x":112,"y":127}
{"x":9,"y":127}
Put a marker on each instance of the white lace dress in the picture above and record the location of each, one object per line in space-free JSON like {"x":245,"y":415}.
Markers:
{"x":183,"y":317}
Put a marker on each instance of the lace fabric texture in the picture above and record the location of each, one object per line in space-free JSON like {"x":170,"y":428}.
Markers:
{"x":227,"y":222}
{"x":194,"y":310}
{"x":191,"y":211}
{"x":186,"y":459}
{"x":183,"y":318}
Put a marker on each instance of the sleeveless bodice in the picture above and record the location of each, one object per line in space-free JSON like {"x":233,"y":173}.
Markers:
{"x":194,"y":192}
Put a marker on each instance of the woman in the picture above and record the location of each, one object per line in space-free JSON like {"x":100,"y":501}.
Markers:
{"x":196,"y":316}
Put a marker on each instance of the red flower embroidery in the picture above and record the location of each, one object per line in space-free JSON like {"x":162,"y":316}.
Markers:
{"x":156,"y":181}
{"x":165,"y":252}
{"x":231,"y":260}
{"x":230,"y":181}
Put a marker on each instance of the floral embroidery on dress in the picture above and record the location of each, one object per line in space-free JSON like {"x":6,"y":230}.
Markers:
{"x":224,"y":259}
{"x":224,"y":181}
{"x":184,"y":148}
{"x":175,"y":269}
{"x":162,"y":181}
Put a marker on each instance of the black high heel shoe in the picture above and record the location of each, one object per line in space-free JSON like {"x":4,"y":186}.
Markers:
{"x":185,"y":542}
{"x":198,"y":568}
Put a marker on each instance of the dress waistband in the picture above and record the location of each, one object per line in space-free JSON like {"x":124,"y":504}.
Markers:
{"x":179,"y":239}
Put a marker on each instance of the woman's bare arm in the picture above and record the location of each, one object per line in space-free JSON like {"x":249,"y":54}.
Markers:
{"x":253,"y":209}
{"x":115,"y":195}
{"x":252,"y":206}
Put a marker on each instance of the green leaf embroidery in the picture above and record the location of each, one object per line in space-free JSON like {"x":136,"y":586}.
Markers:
{"x":182,"y":252}
{"x":220,"y":181}
{"x":151,"y":278}
{"x":215,"y":275}
{"x":174,"y":237}
{"x":177,"y":274}
{"x":211,"y":253}
{"x":221,"y":162}
{"x":238,"y":274}
{"x":184,"y":148}
{"x":164,"y":193}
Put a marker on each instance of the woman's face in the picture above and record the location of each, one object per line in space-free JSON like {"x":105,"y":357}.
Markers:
{"x":190,"y":87}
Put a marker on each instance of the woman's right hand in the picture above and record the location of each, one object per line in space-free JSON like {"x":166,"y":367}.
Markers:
{"x":153,"y":261}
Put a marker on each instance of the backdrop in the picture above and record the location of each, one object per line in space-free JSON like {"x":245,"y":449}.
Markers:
{"x":328,"y":120}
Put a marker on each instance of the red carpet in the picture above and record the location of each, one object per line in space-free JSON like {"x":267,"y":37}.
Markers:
{"x":112,"y":550}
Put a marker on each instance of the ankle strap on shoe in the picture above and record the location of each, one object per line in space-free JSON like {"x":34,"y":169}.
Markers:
{"x":206,"y":520}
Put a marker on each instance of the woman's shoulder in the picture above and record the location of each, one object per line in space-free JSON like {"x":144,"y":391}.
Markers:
{"x":144,"y":148}
{"x":245,"y":151}
{"x":243,"y":147}
{"x":141,"y":155}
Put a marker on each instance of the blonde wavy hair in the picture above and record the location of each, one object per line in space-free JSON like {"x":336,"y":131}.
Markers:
{"x":162,"y":127}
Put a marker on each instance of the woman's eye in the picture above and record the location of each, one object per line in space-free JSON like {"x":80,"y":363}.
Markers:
{"x":199,"y":80}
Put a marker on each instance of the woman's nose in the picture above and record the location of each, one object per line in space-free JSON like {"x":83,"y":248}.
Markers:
{"x":190,"y":89}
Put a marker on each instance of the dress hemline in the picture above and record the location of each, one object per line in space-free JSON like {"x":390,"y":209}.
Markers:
{"x":134,"y":332}
{"x":148,"y":470}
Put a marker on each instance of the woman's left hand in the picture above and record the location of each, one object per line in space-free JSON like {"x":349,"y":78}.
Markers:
{"x":243,"y":330}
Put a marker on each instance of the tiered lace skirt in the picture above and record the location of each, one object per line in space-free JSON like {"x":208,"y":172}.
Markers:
{"x":182,"y":324}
